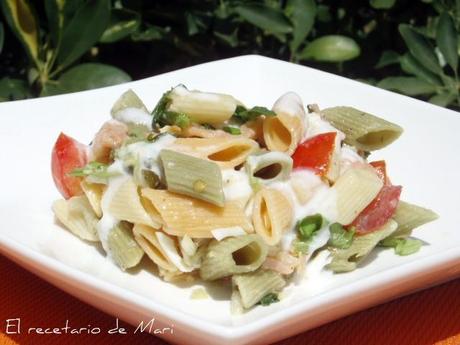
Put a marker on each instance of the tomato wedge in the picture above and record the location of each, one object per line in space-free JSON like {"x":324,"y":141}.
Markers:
{"x":382,"y":208}
{"x":67,"y":155}
{"x":316,"y":153}
{"x":381,"y":168}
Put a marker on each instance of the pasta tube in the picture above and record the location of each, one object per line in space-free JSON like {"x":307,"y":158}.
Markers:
{"x":355,"y":189}
{"x":345,"y":260}
{"x":252,"y":287}
{"x":233,"y":255}
{"x":202,"y":107}
{"x":78,"y":216}
{"x":124,"y":249}
{"x":146,"y":237}
{"x":285,"y":131}
{"x":271,"y":215}
{"x":183,"y":215}
{"x":226,"y":152}
{"x":362,"y":130}
{"x":269,"y":167}
{"x":410,"y":216}
{"x":195,"y":177}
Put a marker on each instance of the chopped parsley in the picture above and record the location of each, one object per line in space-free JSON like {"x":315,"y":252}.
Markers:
{"x":402,"y":246}
{"x":242,"y":114}
{"x":341,"y":238}
{"x":308,"y":226}
{"x":269,"y":299}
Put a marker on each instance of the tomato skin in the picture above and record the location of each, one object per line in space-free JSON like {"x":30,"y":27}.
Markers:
{"x":316,"y":153}
{"x":67,"y":155}
{"x":382,"y":208}
{"x":379,"y":211}
{"x":381,"y":169}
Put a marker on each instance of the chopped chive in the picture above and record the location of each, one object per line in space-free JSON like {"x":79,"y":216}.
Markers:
{"x":232,"y":130}
{"x":269,"y":299}
{"x":403,"y":246}
{"x":244,"y":115}
{"x":308,"y":226}
{"x":95,"y":169}
{"x":341,"y":238}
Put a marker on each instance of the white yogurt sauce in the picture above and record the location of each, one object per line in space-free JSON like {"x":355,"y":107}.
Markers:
{"x":147,"y":153}
{"x":236,"y":184}
{"x":348,"y":157}
{"x":323,"y":201}
{"x":135,"y":116}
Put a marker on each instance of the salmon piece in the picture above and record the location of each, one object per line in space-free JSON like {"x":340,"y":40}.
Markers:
{"x":111,"y":136}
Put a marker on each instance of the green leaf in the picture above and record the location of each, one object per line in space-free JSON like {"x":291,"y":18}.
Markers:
{"x":302,"y":14}
{"x":152,"y":33}
{"x":55,"y":13}
{"x":22,"y":21}
{"x":446,"y":39}
{"x":2,"y":37}
{"x":410,"y":65}
{"x":13,"y":89}
{"x":443,"y":99}
{"x":83,"y":30}
{"x":382,"y":4}
{"x":420,"y":48}
{"x":332,"y":48}
{"x":388,"y":57}
{"x":407,"y":85}
{"x":122,"y":24}
{"x":91,"y":76}
{"x":265,"y":18}
{"x":229,"y":39}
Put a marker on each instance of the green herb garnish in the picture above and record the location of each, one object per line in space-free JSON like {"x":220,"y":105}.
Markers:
{"x":232,"y":130}
{"x":308,"y":226}
{"x":242,"y":114}
{"x":163,"y":117}
{"x":402,"y":246}
{"x":95,"y":169}
{"x":341,"y":238}
{"x":269,"y":299}
{"x":207,"y":126}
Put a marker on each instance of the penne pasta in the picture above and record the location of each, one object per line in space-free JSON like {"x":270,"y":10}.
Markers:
{"x":271,"y":215}
{"x":182,"y":215}
{"x":354,"y":191}
{"x":362,"y":130}
{"x":233,"y":255}
{"x":126,"y":205}
{"x":284,"y":131}
{"x":345,"y":260}
{"x":123,"y":248}
{"x":94,"y":192}
{"x":146,"y":237}
{"x":410,"y":216}
{"x":78,"y":216}
{"x":252,"y":287}
{"x":226,"y":152}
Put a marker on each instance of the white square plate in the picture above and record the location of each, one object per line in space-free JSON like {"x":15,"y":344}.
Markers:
{"x":424,"y":160}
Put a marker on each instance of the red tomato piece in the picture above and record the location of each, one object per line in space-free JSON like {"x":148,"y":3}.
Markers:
{"x":315,"y":153}
{"x":379,"y":211}
{"x":381,"y":168}
{"x":68,"y":154}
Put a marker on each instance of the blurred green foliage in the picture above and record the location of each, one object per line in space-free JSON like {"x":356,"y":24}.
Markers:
{"x":58,"y":46}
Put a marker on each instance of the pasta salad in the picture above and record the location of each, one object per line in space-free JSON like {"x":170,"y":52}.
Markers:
{"x":210,"y":189}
